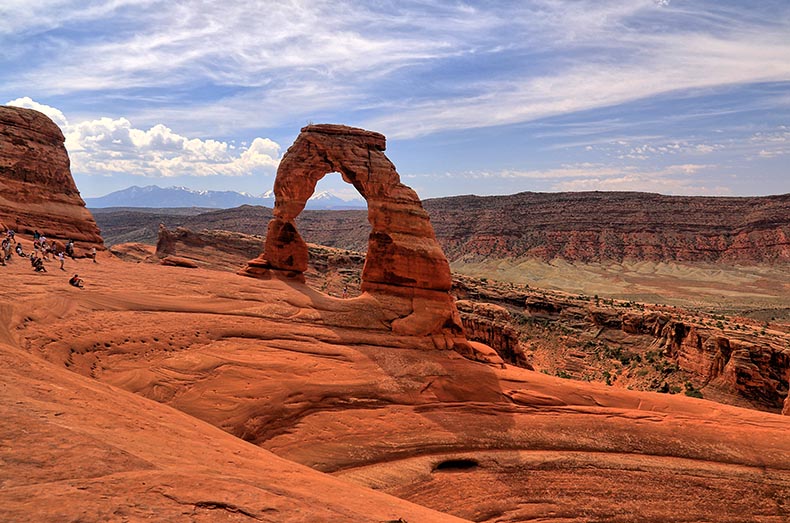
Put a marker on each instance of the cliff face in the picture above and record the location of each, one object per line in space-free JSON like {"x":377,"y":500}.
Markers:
{"x":588,"y":227}
{"x":647,"y":347}
{"x":37,"y":191}
{"x":753,"y":367}
{"x":594,"y":226}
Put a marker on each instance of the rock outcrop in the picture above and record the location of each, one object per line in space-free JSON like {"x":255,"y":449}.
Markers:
{"x":493,"y":325}
{"x":756,"y":369}
{"x":405,"y":268}
{"x":333,"y":271}
{"x":728,"y":359}
{"x":37,"y":191}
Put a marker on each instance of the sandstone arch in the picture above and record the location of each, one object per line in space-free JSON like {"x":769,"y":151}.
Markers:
{"x":404,"y":267}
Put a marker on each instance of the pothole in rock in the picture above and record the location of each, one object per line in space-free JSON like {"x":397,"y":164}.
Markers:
{"x":456,"y":465}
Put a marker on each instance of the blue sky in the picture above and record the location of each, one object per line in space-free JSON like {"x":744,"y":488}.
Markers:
{"x":670,"y":96}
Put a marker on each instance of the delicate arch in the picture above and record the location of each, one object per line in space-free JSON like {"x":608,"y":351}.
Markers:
{"x":402,"y":249}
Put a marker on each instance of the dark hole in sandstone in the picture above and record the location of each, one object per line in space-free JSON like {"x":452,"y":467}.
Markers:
{"x":456,"y":465}
{"x":288,"y":233}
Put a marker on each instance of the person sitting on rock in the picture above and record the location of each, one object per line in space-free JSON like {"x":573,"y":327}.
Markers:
{"x":19,"y":250}
{"x":76,"y":281}
{"x":70,"y":249}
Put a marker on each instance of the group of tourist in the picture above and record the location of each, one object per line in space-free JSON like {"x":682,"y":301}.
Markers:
{"x":42,"y":248}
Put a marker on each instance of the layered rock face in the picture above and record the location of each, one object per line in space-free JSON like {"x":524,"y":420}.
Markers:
{"x":37,"y":191}
{"x":405,"y":267}
{"x":586,"y":227}
{"x":595,"y":226}
{"x":493,"y":325}
{"x":755,"y":369}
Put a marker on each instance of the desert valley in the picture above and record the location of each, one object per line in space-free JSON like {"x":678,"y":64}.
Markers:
{"x":567,"y":357}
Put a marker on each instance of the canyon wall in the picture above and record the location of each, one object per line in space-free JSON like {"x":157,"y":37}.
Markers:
{"x":587,"y":226}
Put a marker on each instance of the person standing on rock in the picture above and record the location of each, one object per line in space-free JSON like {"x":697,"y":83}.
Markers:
{"x":61,"y":259}
{"x":93,"y":254}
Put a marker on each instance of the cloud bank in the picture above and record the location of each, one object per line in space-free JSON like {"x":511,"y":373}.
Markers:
{"x":109,"y":146}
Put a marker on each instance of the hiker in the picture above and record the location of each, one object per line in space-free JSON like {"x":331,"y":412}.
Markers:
{"x":93,"y":254}
{"x":19,"y":250}
{"x":70,"y":249}
{"x":76,"y":281}
{"x":61,"y":259}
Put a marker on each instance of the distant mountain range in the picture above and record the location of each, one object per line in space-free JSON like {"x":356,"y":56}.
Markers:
{"x":158,"y":197}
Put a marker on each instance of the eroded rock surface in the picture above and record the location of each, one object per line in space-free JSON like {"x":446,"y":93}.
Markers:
{"x":405,"y":268}
{"x":37,"y":191}
{"x":597,"y":226}
{"x":303,"y":375}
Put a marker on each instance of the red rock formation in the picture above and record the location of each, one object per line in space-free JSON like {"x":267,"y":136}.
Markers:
{"x":405,"y":267}
{"x":588,"y":227}
{"x":755,"y":369}
{"x":37,"y":191}
{"x":492,"y":324}
{"x":595,"y":226}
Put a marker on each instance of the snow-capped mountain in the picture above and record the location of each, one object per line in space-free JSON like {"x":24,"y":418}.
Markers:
{"x":155,"y":196}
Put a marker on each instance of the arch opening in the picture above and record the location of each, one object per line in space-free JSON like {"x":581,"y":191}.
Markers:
{"x":340,"y":235}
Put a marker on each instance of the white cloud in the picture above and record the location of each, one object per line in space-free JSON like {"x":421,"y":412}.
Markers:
{"x":647,"y":151}
{"x":643,"y":182}
{"x":672,"y":179}
{"x":607,"y":59}
{"x":107,"y":146}
{"x":55,"y":114}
